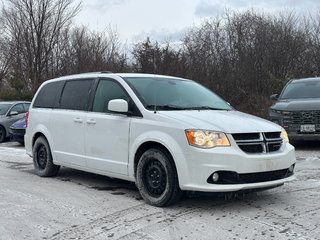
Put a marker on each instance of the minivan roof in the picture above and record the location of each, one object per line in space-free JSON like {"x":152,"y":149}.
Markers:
{"x":104,"y":74}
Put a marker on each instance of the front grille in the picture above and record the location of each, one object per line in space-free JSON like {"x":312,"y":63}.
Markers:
{"x":264,"y":176}
{"x":272,"y":135}
{"x":229,"y":177}
{"x":246,"y":136}
{"x":252,"y":148}
{"x":302,"y":117}
{"x":258,"y":142}
{"x":274,"y":146}
{"x":292,"y":121}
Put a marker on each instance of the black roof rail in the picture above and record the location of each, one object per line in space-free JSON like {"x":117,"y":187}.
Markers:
{"x":106,"y":72}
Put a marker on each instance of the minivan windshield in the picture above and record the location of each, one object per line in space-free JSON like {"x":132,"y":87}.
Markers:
{"x":303,"y":89}
{"x":161,"y":93}
{"x":4,"y":107}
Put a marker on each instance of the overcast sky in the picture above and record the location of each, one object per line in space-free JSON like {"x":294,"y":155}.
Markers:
{"x":167,"y":20}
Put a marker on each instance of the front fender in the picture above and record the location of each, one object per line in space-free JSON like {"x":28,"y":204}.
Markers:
{"x":173,"y":144}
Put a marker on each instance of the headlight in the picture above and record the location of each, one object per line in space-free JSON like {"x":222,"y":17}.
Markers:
{"x":275,"y":111}
{"x":206,"y":139}
{"x":284,"y":136}
{"x":280,"y":112}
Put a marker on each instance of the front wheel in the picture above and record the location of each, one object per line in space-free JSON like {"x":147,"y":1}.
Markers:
{"x":157,"y":179}
{"x":42,"y":159}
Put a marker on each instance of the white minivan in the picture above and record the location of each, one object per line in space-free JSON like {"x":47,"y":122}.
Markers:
{"x":166,"y":134}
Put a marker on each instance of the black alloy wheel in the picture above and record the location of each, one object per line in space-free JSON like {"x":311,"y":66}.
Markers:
{"x":42,"y":159}
{"x":157,"y":179}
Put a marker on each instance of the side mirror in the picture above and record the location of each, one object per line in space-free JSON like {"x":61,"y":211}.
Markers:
{"x":13,"y":113}
{"x":274,"y":97}
{"x":118,"y":105}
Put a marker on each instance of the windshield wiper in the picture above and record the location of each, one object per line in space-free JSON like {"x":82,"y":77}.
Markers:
{"x":164,"y":107}
{"x":205,"y":108}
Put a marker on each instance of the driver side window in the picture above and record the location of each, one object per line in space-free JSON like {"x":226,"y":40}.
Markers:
{"x":107,"y":90}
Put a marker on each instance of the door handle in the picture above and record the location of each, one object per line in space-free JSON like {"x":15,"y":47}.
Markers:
{"x":78,"y":120}
{"x":91,"y":121}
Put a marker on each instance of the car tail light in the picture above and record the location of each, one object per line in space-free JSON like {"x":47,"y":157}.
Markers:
{"x":27,"y":119}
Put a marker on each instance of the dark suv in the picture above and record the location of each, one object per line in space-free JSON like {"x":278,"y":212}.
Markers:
{"x":297,"y":109}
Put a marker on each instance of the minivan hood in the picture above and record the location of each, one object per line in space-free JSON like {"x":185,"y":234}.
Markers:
{"x":224,"y":121}
{"x":297,"y":104}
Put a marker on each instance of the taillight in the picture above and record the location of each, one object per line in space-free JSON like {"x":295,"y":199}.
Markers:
{"x":27,"y":118}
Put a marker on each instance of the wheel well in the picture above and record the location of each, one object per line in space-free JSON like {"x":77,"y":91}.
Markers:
{"x":148,"y":145}
{"x":36,"y":136}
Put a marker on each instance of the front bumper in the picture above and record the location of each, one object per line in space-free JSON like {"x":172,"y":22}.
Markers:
{"x":17,"y":135}
{"x":304,"y":137}
{"x":294,"y":132}
{"x":195,"y":169}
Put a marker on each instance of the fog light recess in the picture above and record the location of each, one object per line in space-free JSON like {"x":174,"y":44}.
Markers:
{"x":291,"y":168}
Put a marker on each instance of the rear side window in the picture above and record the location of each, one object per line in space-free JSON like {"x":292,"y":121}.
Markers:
{"x":49,"y":95}
{"x":75,"y":94}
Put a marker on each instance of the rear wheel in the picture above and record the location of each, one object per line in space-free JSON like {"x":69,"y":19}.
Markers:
{"x":157,"y":179}
{"x":2,"y":134}
{"x":42,"y":159}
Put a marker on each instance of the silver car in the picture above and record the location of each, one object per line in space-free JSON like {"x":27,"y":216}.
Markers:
{"x":10,"y":112}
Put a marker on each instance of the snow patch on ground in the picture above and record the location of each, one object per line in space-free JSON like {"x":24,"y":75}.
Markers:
{"x":14,"y":154}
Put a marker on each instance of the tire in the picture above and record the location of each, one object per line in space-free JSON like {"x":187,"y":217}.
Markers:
{"x":157,"y":179}
{"x":42,"y":159}
{"x":2,"y":134}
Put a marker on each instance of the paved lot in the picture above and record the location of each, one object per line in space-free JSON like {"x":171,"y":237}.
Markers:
{"x":78,"y":205}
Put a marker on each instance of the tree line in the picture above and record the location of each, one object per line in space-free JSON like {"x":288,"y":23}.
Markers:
{"x":243,"y":57}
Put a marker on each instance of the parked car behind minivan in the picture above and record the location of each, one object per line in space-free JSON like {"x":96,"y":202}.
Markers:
{"x":18,"y":130}
{"x":166,"y":134}
{"x":10,"y":112}
{"x":297,"y":109}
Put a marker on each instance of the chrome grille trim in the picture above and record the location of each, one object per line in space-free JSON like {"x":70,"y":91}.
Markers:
{"x":266,"y":143}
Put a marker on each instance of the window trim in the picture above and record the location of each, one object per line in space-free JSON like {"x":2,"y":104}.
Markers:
{"x":136,"y":111}
{"x":86,"y":109}
{"x":57,"y":96}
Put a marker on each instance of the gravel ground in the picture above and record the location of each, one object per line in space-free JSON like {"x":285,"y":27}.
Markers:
{"x":78,"y":205}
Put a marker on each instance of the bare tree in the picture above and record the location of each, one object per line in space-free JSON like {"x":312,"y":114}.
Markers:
{"x":248,"y":54}
{"x":4,"y":52}
{"x":86,"y":51}
{"x":92,"y":51}
{"x":312,"y":27}
{"x":155,"y":58}
{"x":5,"y":58}
{"x":35,"y":28}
